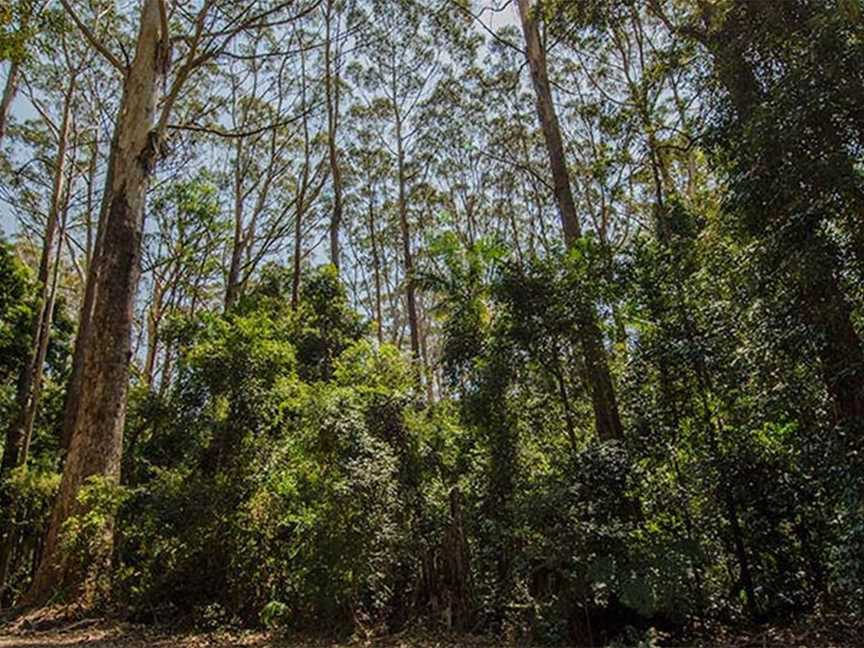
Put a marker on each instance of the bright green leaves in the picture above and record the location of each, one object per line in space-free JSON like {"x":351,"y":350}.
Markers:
{"x":16,"y":293}
{"x":372,"y":370}
{"x":328,"y":325}
{"x":277,"y":458}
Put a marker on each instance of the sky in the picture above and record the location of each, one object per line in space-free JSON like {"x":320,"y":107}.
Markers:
{"x":21,"y":109}
{"x":494,"y":15}
{"x":500,"y":14}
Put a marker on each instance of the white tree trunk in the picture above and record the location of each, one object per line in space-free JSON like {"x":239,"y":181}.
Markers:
{"x":96,"y":431}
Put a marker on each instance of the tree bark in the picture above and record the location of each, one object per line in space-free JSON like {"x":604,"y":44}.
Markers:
{"x":95,"y":442}
{"x":376,"y":269}
{"x":72,"y":398}
{"x":606,"y":418}
{"x":407,"y":255}
{"x":331,"y":88}
{"x":300,"y":206}
{"x":232,"y":287}
{"x":154,"y":318}
{"x":9,"y":91}
{"x":828,"y":312}
{"x":297,"y":258}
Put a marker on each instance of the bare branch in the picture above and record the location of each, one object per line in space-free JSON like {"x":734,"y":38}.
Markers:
{"x":91,"y":38}
{"x":478,"y":19}
{"x":219,"y":132}
{"x":163,"y":21}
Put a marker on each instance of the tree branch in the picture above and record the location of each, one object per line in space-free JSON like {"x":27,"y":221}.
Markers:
{"x":240,"y":134}
{"x":91,"y":37}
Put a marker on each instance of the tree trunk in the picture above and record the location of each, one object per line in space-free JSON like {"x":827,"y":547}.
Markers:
{"x":45,"y":331}
{"x":407,"y":256}
{"x":298,"y":235}
{"x":19,"y":433}
{"x":456,"y":559}
{"x":154,"y":317}
{"x":72,"y":398}
{"x":13,"y":455}
{"x":232,"y":285}
{"x":297,"y":258}
{"x":827,"y":311}
{"x":9,"y":91}
{"x":302,"y":189}
{"x":605,"y":405}
{"x":376,"y":269}
{"x":331,"y":87}
{"x":95,"y":442}
{"x":10,"y":537}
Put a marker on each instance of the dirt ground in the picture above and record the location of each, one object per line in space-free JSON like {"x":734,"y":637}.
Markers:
{"x":103,"y":634}
{"x":55,"y":627}
{"x":97,"y":633}
{"x":53,"y":630}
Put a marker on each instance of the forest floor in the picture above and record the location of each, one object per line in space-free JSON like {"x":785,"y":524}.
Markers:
{"x":49,"y":631}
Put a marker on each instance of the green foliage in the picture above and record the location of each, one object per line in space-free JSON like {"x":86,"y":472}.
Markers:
{"x":329,"y":324}
{"x":20,"y":22}
{"x":264,"y":465}
{"x":16,"y":293}
{"x":33,"y":489}
{"x":84,"y":533}
{"x":274,"y":615}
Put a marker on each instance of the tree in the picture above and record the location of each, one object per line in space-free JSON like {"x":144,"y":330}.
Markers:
{"x":96,"y":403}
{"x":597,"y":375}
{"x":333,"y":45}
{"x":767,"y":109}
{"x":30,"y":379}
{"x":628,"y":279}
{"x":273,"y":175}
{"x":404,"y":61}
{"x":19,"y":24}
{"x":19,"y":433}
{"x":180,"y":260}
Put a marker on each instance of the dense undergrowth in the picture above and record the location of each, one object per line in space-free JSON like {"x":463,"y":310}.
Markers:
{"x":293,"y":476}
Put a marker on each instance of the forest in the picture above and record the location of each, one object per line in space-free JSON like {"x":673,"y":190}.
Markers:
{"x":534,"y":320}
